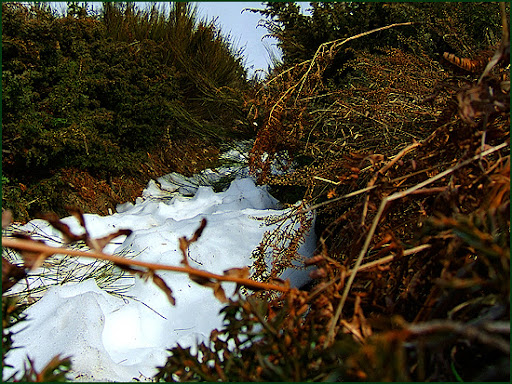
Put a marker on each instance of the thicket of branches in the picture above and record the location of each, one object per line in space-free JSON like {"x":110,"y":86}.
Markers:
{"x":403,"y":153}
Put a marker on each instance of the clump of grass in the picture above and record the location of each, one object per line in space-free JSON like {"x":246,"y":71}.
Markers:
{"x":62,"y":269}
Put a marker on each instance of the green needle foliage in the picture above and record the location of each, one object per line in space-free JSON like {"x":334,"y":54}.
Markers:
{"x":376,"y":118}
{"x":99,"y":91}
{"x":457,"y":27}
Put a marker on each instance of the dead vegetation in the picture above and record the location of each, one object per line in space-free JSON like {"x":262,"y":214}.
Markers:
{"x":408,"y":170}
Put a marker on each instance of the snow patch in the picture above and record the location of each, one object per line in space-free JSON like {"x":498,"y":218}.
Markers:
{"x":118,"y":339}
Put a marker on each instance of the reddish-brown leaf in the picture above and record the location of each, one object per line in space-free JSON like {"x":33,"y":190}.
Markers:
{"x":33,"y":260}
{"x":318,"y":273}
{"x":157,"y":280}
{"x":199,"y":231}
{"x":219,"y":293}
{"x":184,"y":243}
{"x":280,"y":282}
{"x":314,"y":260}
{"x":160,"y":283}
{"x":78,"y":214}
{"x":99,"y":244}
{"x":242,"y":273}
{"x":69,"y":236}
{"x":11,"y":274}
{"x":204,"y":281}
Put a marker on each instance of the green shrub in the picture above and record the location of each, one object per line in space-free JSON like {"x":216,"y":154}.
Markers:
{"x":98,"y":92}
{"x":459,"y":28}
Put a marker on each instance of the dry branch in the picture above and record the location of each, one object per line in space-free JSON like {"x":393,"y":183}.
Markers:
{"x":32,"y":246}
{"x":369,"y":236}
{"x":479,"y":333}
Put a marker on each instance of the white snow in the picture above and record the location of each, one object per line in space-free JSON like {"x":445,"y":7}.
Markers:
{"x":113,"y":338}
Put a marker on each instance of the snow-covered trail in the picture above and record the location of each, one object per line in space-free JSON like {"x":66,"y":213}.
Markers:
{"x":120,"y":338}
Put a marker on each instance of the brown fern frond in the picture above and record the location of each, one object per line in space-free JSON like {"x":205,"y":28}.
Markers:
{"x":467,"y":64}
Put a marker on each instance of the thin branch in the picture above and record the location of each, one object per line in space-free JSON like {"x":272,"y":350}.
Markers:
{"x":383,"y":170}
{"x":338,"y":43}
{"x":469,"y":331}
{"x":32,"y":246}
{"x":370,"y":265}
{"x":384,"y":202}
{"x":313,"y":207}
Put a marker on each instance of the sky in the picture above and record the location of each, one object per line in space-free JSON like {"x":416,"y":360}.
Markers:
{"x":241,"y":26}
{"x":244,"y":26}
{"x":124,"y":336}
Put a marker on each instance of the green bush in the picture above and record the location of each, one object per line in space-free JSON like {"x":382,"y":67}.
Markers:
{"x":97,"y":92}
{"x":459,"y":28}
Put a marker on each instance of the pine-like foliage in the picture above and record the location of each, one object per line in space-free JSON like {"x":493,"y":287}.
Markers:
{"x":97,"y":92}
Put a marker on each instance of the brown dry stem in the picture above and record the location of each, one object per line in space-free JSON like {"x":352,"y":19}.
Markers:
{"x":31,"y":246}
{"x":369,"y":236}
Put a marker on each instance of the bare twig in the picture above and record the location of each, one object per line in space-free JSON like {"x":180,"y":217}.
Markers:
{"x":335,"y":44}
{"x":313,"y":207}
{"x":370,"y":265}
{"x":32,"y":246}
{"x":464,"y":329}
{"x":383,"y":170}
{"x":504,"y":45}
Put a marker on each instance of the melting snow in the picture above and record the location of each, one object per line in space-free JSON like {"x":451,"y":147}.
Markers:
{"x":118,"y":338}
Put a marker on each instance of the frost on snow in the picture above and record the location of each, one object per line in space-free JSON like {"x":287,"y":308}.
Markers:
{"x":121,"y":337}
